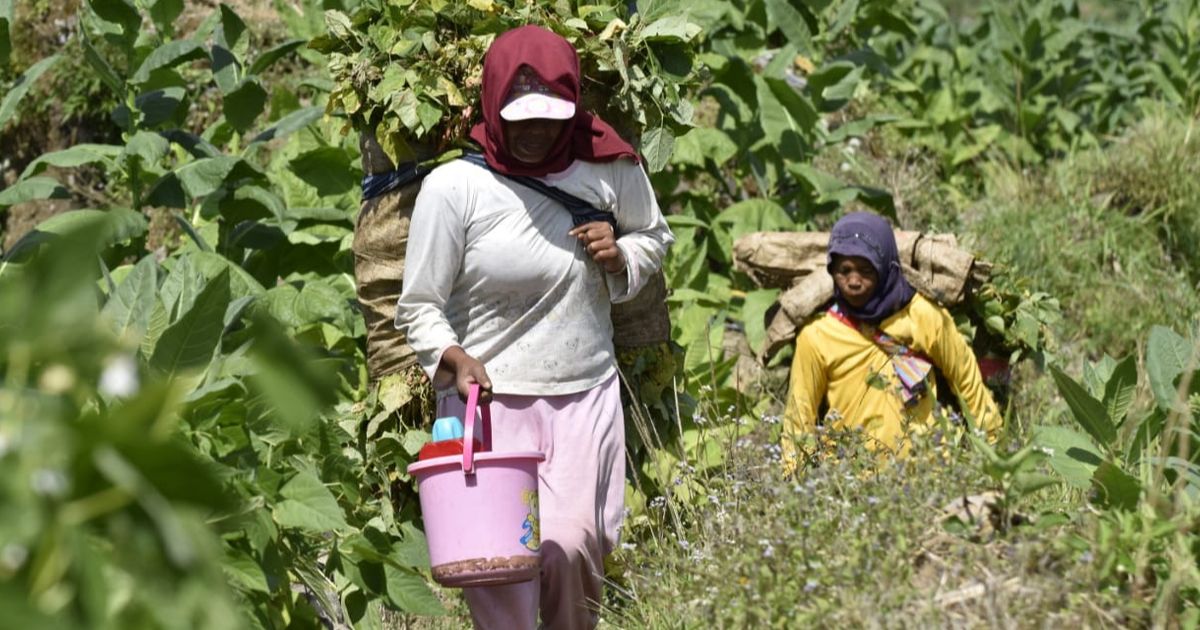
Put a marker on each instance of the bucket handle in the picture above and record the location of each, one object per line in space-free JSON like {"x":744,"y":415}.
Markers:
{"x":469,"y":430}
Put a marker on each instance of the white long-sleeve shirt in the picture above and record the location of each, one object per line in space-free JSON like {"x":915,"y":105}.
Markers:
{"x":490,"y":267}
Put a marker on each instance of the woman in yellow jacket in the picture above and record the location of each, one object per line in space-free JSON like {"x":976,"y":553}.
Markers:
{"x":870,"y":355}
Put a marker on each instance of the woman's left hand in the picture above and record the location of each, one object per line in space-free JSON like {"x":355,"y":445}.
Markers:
{"x":601,"y":244}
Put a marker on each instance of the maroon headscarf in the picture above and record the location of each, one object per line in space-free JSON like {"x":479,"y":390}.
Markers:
{"x":555,"y":61}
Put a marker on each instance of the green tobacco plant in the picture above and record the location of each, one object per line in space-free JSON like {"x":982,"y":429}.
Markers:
{"x":1115,"y":455}
{"x":1036,"y":78}
{"x":246,"y":334}
{"x":1015,"y":475}
{"x":411,"y":71}
{"x":776,"y":75}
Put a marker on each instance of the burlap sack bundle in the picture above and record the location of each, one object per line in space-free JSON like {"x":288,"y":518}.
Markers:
{"x":380,"y":236}
{"x":795,"y":262}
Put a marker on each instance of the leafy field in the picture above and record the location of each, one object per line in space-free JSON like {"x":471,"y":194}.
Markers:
{"x":188,"y":434}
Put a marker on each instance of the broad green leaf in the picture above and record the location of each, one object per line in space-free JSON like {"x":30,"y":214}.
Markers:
{"x":777,"y":120}
{"x":308,"y":505}
{"x":168,"y":55}
{"x":164,"y":13}
{"x":1120,"y":389}
{"x":318,"y":300}
{"x":32,"y":189}
{"x":72,"y":157}
{"x":230,"y":44}
{"x":782,"y":15}
{"x":834,"y":84}
{"x":1146,"y":434}
{"x":1029,"y":482}
{"x":147,"y":147}
{"x":1096,"y":375}
{"x":1088,"y":412}
{"x":290,"y":124}
{"x":245,"y":104}
{"x":671,"y":28}
{"x":799,"y":108}
{"x":250,"y":203}
{"x":189,"y":343}
{"x":754,"y":215}
{"x":978,"y":141}
{"x":328,"y":169}
{"x":244,"y":572}
{"x":241,"y":283}
{"x":701,"y":144}
{"x":159,"y":320}
{"x":120,"y":12}
{"x":1071,"y":454}
{"x":131,"y":306}
{"x":102,"y":67}
{"x":280,"y":302}
{"x":195,"y":145}
{"x":1116,"y":488}
{"x":1167,"y":356}
{"x":180,"y":547}
{"x":103,"y":228}
{"x":340,"y":27}
{"x":182,"y":285}
{"x":156,"y":107}
{"x":192,"y":233}
{"x":412,"y":550}
{"x":8,"y":106}
{"x":410,"y":592}
{"x":656,"y":147}
{"x":231,"y":32}
{"x":754,"y":310}
{"x":269,"y":57}
{"x":394,"y":392}
{"x":203,"y":177}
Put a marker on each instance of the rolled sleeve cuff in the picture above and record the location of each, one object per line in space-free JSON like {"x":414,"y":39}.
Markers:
{"x":625,"y":284}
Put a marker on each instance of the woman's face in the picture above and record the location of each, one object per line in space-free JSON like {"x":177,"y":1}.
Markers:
{"x":855,"y":278}
{"x":530,"y":141}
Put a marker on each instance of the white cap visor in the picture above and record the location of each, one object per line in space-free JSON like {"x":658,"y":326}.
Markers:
{"x":538,"y":105}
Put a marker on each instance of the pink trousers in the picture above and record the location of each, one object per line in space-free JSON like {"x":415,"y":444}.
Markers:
{"x":581,"y":496}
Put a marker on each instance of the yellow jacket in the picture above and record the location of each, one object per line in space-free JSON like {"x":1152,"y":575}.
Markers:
{"x":842,"y":365}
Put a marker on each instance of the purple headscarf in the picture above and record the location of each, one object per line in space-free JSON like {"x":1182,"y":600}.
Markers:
{"x":870,"y":236}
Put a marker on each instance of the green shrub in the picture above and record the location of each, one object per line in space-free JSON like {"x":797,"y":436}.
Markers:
{"x":1113,"y":275}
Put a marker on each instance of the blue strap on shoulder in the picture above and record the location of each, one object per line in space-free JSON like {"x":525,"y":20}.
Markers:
{"x":581,"y":211}
{"x":384,"y":183}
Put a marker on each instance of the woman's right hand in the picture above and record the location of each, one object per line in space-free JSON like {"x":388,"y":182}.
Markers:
{"x":467,"y":371}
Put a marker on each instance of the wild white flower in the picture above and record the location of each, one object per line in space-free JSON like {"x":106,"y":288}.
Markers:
{"x":56,"y":379}
{"x":48,"y":482}
{"x":854,"y":143}
{"x":627,"y":546}
{"x":13,"y":556}
{"x":120,"y":377}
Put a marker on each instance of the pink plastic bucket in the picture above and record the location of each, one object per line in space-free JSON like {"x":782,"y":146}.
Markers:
{"x":480,"y":510}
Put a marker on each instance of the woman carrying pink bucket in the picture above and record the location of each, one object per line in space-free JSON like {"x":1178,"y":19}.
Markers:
{"x":513,"y":260}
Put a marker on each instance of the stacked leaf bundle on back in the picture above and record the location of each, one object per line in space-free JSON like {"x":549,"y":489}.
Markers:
{"x":411,"y":71}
